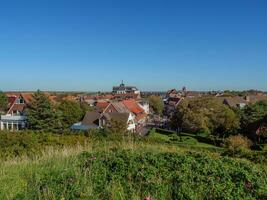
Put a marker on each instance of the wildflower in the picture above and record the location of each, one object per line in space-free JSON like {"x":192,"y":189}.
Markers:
{"x":248,"y":185}
{"x":93,"y":158}
{"x":148,"y":198}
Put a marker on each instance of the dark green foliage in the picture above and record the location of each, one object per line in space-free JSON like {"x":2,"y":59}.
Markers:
{"x":42,"y":115}
{"x":71,"y":112}
{"x":254,"y":117}
{"x":254,"y":156}
{"x":175,"y":176}
{"x":160,"y":175}
{"x":64,"y":182}
{"x":3,"y":102}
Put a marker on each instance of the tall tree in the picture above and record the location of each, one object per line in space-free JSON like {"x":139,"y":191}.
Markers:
{"x":71,"y":112}
{"x":3,"y":102}
{"x":254,"y":119}
{"x":42,"y":115}
{"x":205,"y":115}
{"x":156,"y":103}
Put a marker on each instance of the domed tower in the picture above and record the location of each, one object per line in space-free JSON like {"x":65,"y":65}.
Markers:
{"x":122,"y":84}
{"x":184,"y":91}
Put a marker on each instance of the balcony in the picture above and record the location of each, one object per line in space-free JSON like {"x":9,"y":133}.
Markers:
{"x":13,"y":118}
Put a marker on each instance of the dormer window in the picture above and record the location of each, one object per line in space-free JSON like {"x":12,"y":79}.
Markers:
{"x":20,"y":101}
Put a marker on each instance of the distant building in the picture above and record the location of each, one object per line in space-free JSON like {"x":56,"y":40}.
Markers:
{"x":241,"y":102}
{"x":123,"y":89}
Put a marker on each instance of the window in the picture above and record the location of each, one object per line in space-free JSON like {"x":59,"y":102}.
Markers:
{"x":9,"y":126}
{"x":5,"y":126}
{"x":20,"y":101}
{"x":15,"y":126}
{"x":19,"y":126}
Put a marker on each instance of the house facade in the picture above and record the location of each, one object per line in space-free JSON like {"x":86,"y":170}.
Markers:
{"x":96,"y":120}
{"x":15,"y":117}
{"x":130,"y":112}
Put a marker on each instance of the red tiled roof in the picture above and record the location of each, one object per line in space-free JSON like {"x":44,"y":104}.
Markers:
{"x":127,"y":95}
{"x":27,"y":97}
{"x":133,"y":106}
{"x":11,"y":100}
{"x":19,"y":107}
{"x":102,"y":105}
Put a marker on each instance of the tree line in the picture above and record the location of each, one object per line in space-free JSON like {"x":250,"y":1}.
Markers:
{"x":209,"y":116}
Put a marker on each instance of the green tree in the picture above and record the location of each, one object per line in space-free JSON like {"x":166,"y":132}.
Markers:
{"x":116,"y":127}
{"x":42,"y":115}
{"x":156,"y":103}
{"x":71,"y":112}
{"x":205,"y":115}
{"x":85,"y":107}
{"x":254,"y":118}
{"x":3,"y":102}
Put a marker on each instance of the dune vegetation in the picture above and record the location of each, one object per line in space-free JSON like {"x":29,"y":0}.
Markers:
{"x":95,"y":166}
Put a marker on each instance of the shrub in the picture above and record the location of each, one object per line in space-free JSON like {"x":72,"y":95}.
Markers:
{"x":236,"y":143}
{"x":123,"y":174}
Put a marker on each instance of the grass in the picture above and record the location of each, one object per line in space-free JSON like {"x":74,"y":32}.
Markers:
{"x":184,"y":140}
{"x":101,"y":172}
{"x":80,"y":167}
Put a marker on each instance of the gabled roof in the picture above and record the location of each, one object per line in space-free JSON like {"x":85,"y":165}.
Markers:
{"x":27,"y":97}
{"x":120,"y":107}
{"x":256,"y":98}
{"x":102,"y":105}
{"x":172,"y":91}
{"x":11,"y":100}
{"x":133,"y":106}
{"x":117,"y":116}
{"x":13,"y":106}
{"x":91,"y":119}
{"x":234,"y":101}
{"x":126,"y":96}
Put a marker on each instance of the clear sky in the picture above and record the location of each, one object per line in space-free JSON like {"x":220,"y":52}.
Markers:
{"x":92,"y":45}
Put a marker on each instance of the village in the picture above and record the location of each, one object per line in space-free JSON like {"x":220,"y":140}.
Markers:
{"x":133,"y":100}
{"x":124,"y":103}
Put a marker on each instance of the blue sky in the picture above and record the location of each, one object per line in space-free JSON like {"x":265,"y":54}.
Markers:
{"x":92,"y":45}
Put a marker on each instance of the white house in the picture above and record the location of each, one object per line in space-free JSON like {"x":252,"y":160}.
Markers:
{"x":15,"y":118}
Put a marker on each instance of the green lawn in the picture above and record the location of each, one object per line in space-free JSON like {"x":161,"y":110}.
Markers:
{"x":183,"y":139}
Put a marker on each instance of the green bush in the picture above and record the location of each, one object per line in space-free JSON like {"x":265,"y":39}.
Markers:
{"x":130,"y":175}
{"x":237,"y":143}
{"x":173,"y":176}
{"x":31,"y":144}
{"x":254,"y":156}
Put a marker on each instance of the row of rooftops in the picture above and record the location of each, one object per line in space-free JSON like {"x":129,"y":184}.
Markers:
{"x":174,"y":97}
{"x":116,"y":110}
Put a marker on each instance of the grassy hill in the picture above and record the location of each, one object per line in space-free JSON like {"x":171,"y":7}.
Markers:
{"x":86,"y":167}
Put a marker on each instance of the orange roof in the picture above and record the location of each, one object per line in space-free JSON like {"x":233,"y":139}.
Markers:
{"x":102,"y":105}
{"x":133,"y":106}
{"x":19,"y":107}
{"x":27,"y":97}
